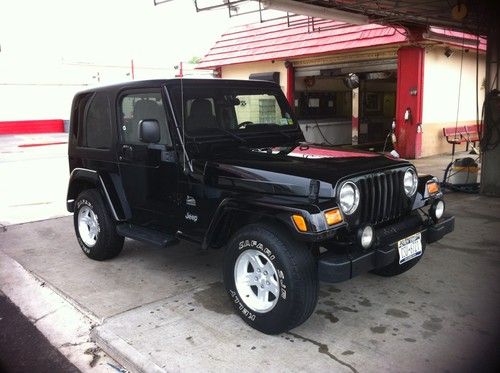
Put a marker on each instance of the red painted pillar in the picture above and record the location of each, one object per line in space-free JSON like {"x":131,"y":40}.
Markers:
{"x":410,"y":90}
{"x":290,"y":84}
{"x":355,"y":117}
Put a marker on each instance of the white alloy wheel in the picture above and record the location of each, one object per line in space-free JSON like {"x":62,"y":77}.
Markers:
{"x":256,"y":281}
{"x":88,"y":226}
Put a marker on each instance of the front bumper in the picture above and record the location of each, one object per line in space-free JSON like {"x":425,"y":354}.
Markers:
{"x":336,"y":267}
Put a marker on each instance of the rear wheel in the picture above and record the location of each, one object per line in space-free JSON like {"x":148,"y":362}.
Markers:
{"x":272,"y":280}
{"x":95,"y":229}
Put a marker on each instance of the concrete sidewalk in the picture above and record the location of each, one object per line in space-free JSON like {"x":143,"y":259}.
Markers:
{"x":167,"y":310}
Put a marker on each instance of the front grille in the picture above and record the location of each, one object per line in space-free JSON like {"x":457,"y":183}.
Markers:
{"x":382,"y":197}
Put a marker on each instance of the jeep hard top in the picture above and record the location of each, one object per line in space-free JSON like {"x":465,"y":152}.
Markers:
{"x":223,"y":163}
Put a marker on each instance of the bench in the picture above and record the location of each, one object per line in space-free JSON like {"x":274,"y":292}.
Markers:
{"x":460,"y":134}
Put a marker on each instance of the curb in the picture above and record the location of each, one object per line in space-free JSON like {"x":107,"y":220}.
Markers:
{"x":76,"y":305}
{"x":122,"y":352}
{"x":65,"y":326}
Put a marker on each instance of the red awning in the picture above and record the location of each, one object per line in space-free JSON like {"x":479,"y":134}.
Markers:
{"x":281,"y":40}
{"x":278,"y":40}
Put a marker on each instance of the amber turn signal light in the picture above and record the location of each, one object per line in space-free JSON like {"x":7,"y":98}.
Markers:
{"x":300,"y":222}
{"x":333,"y":216}
{"x":433,"y":187}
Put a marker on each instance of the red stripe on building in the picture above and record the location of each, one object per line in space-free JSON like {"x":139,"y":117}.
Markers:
{"x":31,"y":126}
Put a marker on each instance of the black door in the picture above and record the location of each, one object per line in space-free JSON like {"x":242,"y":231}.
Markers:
{"x":149,"y":172}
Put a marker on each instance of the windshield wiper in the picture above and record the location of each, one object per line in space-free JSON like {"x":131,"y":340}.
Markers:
{"x":233,"y":135}
{"x":272,"y":126}
{"x":276,"y":129}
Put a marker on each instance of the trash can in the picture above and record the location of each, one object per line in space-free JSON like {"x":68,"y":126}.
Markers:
{"x":463,"y":171}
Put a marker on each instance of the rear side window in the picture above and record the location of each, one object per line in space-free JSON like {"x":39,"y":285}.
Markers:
{"x":78,"y":113}
{"x":97,"y":123}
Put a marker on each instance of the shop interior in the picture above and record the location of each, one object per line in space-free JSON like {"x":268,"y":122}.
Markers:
{"x":328,"y":101}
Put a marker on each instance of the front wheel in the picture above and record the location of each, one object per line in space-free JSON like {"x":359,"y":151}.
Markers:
{"x":272,"y":280}
{"x":94,"y":228}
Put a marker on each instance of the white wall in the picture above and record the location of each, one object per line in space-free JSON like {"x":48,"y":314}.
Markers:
{"x":441,"y":88}
{"x":35,"y":102}
{"x":242,"y":71}
{"x":43,"y":43}
{"x":36,"y":89}
{"x":32,"y":90}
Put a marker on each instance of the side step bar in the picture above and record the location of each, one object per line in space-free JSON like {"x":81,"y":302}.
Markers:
{"x":146,"y":235}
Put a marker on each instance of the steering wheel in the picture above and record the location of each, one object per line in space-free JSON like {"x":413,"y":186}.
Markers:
{"x":244,"y":124}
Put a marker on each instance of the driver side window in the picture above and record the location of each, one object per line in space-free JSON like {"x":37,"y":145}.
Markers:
{"x":138,"y":106}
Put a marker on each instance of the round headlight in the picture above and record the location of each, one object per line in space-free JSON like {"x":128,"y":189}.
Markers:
{"x":410,"y":182}
{"x":349,"y":198}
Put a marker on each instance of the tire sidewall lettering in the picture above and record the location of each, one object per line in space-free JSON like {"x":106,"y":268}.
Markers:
{"x":241,"y":306}
{"x":255,"y":244}
{"x":296,"y":295}
{"x":84,"y":247}
{"x":83,"y":201}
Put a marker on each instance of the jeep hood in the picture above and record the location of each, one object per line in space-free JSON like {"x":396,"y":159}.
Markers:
{"x":294,"y":173}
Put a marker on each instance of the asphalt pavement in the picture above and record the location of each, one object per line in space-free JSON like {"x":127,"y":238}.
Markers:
{"x":23,"y":348}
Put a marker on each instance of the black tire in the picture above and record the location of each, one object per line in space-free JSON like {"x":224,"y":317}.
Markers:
{"x":108,"y":243}
{"x":395,"y":268}
{"x":297,"y":277}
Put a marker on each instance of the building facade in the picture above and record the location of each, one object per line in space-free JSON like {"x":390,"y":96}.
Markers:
{"x":349,"y":83}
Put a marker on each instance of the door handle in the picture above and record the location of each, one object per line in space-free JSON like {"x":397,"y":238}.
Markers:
{"x":126,"y":153}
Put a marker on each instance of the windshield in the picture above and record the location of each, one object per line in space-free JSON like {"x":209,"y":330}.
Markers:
{"x":225,"y":109}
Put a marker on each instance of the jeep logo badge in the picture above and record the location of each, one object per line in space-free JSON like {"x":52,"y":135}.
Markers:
{"x":191,"y":217}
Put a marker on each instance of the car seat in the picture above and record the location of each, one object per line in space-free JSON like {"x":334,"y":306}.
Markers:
{"x":201,"y":115}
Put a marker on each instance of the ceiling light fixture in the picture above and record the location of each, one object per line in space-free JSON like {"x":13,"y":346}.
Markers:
{"x":429,"y":35}
{"x":316,"y":11}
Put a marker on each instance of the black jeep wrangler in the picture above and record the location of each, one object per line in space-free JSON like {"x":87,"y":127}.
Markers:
{"x":223,"y":163}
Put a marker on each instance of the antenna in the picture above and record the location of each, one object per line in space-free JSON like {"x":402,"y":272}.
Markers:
{"x":183,"y":125}
{"x":185,"y":158}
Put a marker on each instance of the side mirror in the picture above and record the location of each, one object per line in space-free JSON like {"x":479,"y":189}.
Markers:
{"x":149,"y":131}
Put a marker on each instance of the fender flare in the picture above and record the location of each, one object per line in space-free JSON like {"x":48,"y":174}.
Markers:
{"x":108,"y":184}
{"x":277,"y":212}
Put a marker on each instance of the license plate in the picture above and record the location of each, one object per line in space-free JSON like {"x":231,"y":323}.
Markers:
{"x":410,"y":247}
